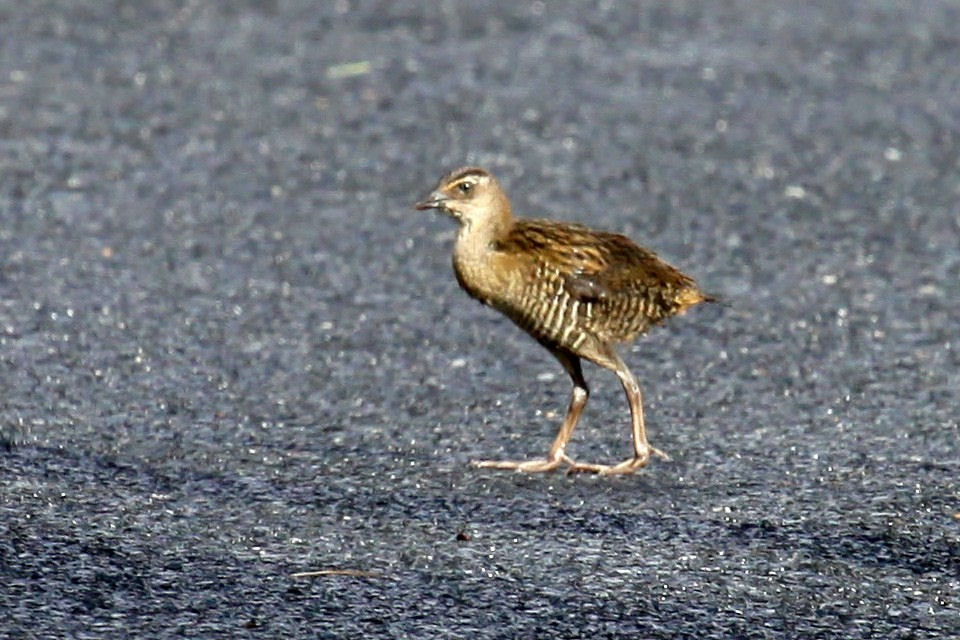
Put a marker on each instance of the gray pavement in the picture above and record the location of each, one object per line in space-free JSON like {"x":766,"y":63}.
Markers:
{"x":231,"y":352}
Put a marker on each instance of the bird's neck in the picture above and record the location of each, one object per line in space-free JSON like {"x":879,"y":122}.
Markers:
{"x":477,"y":237}
{"x":475,"y":255}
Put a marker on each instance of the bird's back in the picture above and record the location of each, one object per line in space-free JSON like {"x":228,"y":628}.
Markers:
{"x":570,"y":284}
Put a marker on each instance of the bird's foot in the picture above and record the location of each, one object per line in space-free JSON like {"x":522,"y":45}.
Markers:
{"x":660,"y":454}
{"x":627,"y":466}
{"x":527,"y":466}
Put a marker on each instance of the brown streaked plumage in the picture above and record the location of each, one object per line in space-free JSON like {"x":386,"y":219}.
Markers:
{"x":577,"y":291}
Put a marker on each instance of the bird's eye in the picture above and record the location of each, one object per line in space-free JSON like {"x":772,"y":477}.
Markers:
{"x":465,"y":187}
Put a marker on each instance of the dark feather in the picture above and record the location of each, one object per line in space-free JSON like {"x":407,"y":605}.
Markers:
{"x":596,"y":264}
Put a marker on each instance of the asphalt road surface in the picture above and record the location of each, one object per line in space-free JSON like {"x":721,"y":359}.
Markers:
{"x":232,"y":353}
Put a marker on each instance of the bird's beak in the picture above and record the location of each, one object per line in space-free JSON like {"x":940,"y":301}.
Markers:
{"x":435,"y":200}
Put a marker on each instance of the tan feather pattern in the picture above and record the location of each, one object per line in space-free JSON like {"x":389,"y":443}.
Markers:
{"x":584,"y":281}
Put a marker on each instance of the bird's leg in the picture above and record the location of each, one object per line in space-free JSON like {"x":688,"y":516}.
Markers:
{"x":557,"y":454}
{"x":641,"y":448}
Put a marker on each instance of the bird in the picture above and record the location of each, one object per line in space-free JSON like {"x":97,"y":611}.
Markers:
{"x":579,"y":292}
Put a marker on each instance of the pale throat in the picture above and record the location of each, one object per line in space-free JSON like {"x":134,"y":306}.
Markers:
{"x":475,"y":261}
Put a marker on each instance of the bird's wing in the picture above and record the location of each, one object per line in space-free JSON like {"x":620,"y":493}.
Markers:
{"x":595,"y":266}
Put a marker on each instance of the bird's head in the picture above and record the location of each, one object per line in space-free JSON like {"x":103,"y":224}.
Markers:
{"x":471,"y":195}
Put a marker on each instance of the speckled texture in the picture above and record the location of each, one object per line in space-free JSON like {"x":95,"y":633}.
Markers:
{"x":230,"y":351}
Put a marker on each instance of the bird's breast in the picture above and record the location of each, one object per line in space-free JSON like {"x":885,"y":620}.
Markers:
{"x":481,"y":275}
